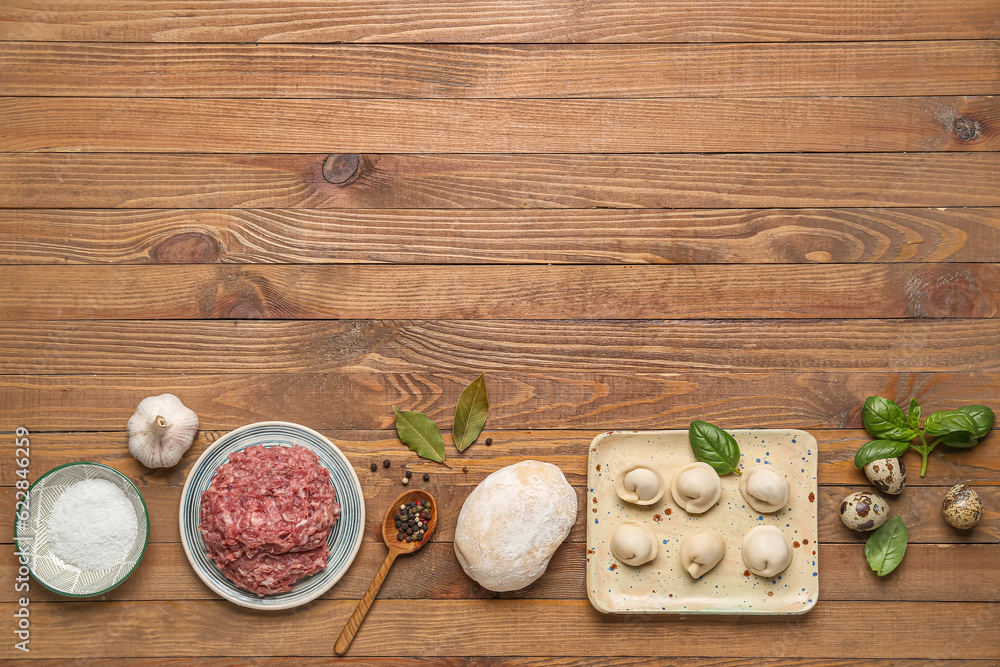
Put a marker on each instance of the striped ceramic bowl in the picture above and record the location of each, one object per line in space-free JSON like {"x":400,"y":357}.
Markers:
{"x":32,"y":536}
{"x":344,"y":539}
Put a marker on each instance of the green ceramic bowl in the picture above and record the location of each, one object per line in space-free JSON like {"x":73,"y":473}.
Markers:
{"x":32,"y":537}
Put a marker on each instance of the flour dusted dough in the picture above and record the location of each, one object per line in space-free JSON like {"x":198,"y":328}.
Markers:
{"x":512,"y":523}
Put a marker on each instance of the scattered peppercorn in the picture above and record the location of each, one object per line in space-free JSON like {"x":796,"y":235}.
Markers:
{"x":465,"y":468}
{"x":426,"y":476}
{"x":409,"y":474}
{"x":374,"y":467}
{"x":386,"y":463}
{"x":489,"y":441}
{"x":406,"y":480}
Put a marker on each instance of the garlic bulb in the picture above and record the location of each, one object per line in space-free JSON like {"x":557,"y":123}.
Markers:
{"x":161,"y":430}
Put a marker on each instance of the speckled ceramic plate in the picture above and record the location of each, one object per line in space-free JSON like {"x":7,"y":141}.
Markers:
{"x":663,"y":586}
{"x":344,"y":539}
{"x":32,"y":535}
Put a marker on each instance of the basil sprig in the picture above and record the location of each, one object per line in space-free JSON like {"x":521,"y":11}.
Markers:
{"x":715,"y":447}
{"x":886,"y":546}
{"x":896,"y":431}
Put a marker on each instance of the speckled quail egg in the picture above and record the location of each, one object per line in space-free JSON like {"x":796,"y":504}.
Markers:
{"x":962,"y":506}
{"x":863,"y":511}
{"x":887,"y":475}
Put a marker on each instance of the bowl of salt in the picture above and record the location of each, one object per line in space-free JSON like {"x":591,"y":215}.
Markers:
{"x":81,"y":529}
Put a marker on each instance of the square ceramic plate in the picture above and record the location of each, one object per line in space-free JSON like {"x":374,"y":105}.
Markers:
{"x":663,"y":586}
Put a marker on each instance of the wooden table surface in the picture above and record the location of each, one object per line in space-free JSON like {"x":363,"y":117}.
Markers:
{"x":628,"y":214}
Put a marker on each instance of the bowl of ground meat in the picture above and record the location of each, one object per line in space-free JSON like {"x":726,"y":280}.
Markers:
{"x":271,"y":515}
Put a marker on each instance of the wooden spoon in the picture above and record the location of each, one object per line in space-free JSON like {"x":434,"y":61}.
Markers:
{"x":396,"y":548}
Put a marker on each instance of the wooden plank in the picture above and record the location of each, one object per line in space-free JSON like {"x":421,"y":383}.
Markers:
{"x":515,"y":21}
{"x":522,"y":627}
{"x":877,"y":124}
{"x":522,"y":401}
{"x":122,"y":180}
{"x":956,"y":67}
{"x":565,"y":448}
{"x":920,"y":506}
{"x":500,"y":292}
{"x":541,"y":236}
{"x":930,"y":572}
{"x":113,"y":347}
{"x":529,"y":661}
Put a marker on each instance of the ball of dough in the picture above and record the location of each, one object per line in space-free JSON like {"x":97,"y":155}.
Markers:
{"x":640,"y":484}
{"x":702,"y":550}
{"x":633,"y":543}
{"x":512,"y":523}
{"x":766,"y":551}
{"x":696,"y":487}
{"x":764,"y":488}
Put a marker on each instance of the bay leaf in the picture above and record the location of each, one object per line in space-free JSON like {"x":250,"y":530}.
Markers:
{"x":470,"y":413}
{"x":420,"y":434}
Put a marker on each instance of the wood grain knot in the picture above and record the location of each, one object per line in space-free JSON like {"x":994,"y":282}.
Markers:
{"x":187,"y":248}
{"x":340,"y":167}
{"x":244,"y":311}
{"x":967,"y":129}
{"x":952,"y":294}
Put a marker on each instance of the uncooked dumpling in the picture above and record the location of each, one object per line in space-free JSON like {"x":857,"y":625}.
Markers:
{"x":702,"y":550}
{"x":640,"y":484}
{"x":696,"y":487}
{"x":512,"y":523}
{"x":764,"y":488}
{"x":633,"y":543}
{"x":766,"y":551}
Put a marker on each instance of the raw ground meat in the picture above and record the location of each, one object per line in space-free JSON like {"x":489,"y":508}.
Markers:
{"x":266,"y":574}
{"x":266,"y":516}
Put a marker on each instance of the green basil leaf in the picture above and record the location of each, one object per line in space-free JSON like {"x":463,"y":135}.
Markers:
{"x":885,"y":420}
{"x":714,"y":446}
{"x":982,"y":416}
{"x":879,"y":449}
{"x":960,"y":439}
{"x":950,"y":422}
{"x":420,"y":434}
{"x":886,"y":546}
{"x":913,"y":415}
{"x":470,"y":413}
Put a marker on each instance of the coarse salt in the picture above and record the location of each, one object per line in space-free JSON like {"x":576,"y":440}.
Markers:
{"x":93,"y":525}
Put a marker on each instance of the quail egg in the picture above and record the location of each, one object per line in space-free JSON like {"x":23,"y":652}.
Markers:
{"x":962,"y":506}
{"x":864,"y":511}
{"x":887,"y":475}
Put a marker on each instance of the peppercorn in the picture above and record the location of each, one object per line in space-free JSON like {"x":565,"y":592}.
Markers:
{"x":427,"y":476}
{"x":386,"y":463}
{"x":374,"y":467}
{"x":406,"y":481}
{"x":409,"y":474}
{"x":465,"y":468}
{"x":489,"y":441}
